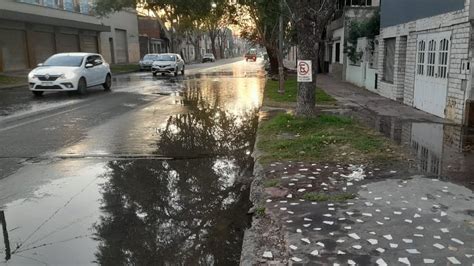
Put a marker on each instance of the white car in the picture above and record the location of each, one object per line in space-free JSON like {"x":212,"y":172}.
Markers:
{"x":70,"y":72}
{"x":168,"y":64}
{"x":147,"y":61}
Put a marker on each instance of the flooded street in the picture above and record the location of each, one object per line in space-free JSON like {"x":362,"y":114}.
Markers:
{"x":155,"y":173}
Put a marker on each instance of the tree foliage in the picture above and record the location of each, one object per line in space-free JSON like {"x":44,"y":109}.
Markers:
{"x":369,"y":28}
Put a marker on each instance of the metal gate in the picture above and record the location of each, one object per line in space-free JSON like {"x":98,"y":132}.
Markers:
{"x":89,"y":44}
{"x":121,"y":50}
{"x":13,"y":52}
{"x":432,"y":68}
{"x":68,"y":43}
{"x":43,"y":45}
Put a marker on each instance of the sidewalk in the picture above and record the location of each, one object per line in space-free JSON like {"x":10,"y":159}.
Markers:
{"x":355,"y":97}
{"x":330,"y":212}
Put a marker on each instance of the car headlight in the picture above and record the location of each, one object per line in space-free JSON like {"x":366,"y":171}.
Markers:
{"x":31,"y":76}
{"x":67,"y":76}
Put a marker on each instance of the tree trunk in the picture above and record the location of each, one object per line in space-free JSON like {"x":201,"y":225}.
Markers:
{"x":308,"y":48}
{"x":213,"y":45}
{"x":273,"y":58}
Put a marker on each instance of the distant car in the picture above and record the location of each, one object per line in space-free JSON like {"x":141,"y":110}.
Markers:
{"x":208,"y":58}
{"x":70,"y":72}
{"x":251,"y":55}
{"x":168,"y":64}
{"x":147,"y":61}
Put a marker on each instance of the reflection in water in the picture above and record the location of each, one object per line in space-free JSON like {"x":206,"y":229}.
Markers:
{"x":443,"y":151}
{"x":182,"y":212}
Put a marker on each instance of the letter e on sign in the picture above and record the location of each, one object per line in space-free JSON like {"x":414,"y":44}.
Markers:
{"x":305,"y":71}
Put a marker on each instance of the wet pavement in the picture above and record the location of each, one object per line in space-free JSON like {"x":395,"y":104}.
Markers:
{"x":155,"y":173}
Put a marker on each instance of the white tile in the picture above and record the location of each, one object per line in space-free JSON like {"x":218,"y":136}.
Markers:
{"x":388,"y":237}
{"x":293,"y":247}
{"x":393,"y":245}
{"x":453,"y":260}
{"x":428,"y":261}
{"x":380,"y":250}
{"x":321,"y":244}
{"x":407,"y":240}
{"x":315,"y":252}
{"x":357,"y":246}
{"x":457,"y":241}
{"x":404,"y":261}
{"x":438,"y":246}
{"x":308,"y":219}
{"x":355,"y":236}
{"x":381,"y":262}
{"x":445,"y":230}
{"x":306,"y":240}
{"x":296,"y":259}
{"x":373,"y":241}
{"x":268,"y":255}
{"x":413,"y":251}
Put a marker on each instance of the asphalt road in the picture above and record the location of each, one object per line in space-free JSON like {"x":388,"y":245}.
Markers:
{"x":154,"y":172}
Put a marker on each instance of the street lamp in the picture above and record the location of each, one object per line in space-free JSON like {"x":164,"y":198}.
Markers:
{"x":213,"y":5}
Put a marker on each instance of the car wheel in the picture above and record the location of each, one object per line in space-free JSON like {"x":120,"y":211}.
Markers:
{"x":154,"y":73}
{"x":176,"y":72}
{"x":38,"y":93}
{"x":182,"y":71}
{"x":162,"y":74}
{"x":108,"y":83}
{"x":82,"y":86}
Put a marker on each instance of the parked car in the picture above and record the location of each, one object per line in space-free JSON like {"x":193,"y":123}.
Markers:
{"x":147,"y":61}
{"x":251,"y":55}
{"x":208,"y":58}
{"x":70,"y":72}
{"x":168,"y":64}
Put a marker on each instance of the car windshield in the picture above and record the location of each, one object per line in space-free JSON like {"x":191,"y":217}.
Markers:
{"x":208,"y":55}
{"x":166,"y":58}
{"x":64,"y":60}
{"x":150,"y":57}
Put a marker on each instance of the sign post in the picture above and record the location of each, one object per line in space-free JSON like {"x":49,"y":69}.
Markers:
{"x":305,"y":71}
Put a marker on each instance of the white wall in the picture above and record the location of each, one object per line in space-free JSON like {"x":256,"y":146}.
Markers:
{"x":124,"y":20}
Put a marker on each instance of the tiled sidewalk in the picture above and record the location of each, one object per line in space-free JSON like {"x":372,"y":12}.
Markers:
{"x":394,"y":219}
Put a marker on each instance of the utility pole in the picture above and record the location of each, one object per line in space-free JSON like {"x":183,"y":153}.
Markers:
{"x":5,"y":236}
{"x":281,"y":73}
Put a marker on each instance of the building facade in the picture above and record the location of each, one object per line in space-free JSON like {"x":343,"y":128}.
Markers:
{"x":153,"y":36}
{"x":336,"y":32}
{"x":33,"y":30}
{"x":425,"y":53}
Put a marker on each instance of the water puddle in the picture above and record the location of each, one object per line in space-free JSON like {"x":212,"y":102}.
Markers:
{"x":163,"y":184}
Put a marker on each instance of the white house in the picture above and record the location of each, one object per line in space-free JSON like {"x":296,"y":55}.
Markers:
{"x":425,"y":53}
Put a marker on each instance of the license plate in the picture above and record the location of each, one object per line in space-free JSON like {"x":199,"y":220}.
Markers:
{"x":46,"y":83}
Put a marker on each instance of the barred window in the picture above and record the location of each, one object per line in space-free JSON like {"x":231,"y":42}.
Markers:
{"x":421,"y":58}
{"x":443,"y":59}
{"x":430,"y":71}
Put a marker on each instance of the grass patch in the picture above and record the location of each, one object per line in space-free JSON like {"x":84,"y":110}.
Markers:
{"x":9,"y":80}
{"x":321,"y":197}
{"x":326,"y":137}
{"x":117,"y":69}
{"x":271,"y":183}
{"x":291,"y":85}
{"x":260,"y":211}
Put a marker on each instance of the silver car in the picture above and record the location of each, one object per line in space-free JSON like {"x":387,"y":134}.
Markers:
{"x":168,"y":64}
{"x":147,"y":61}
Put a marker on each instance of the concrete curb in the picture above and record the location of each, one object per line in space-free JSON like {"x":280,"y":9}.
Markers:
{"x":255,"y":237}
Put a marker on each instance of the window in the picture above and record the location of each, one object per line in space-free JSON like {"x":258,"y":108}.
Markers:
{"x":443,"y":59}
{"x":389,"y":60}
{"x":338,"y":52}
{"x":421,"y":58}
{"x":430,"y":70}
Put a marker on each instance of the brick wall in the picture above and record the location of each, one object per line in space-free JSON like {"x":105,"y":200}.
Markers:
{"x":405,"y":59}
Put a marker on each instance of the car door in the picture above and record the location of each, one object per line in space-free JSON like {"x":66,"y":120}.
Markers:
{"x":101,"y":69}
{"x":90,"y":73}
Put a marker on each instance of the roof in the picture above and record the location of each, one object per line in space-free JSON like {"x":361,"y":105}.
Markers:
{"x":76,"y":54}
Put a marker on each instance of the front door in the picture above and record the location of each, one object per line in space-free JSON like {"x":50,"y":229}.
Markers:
{"x":432,"y":68}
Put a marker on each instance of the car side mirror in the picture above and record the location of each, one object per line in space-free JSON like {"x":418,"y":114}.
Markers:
{"x":89,"y":65}
{"x":40,"y":64}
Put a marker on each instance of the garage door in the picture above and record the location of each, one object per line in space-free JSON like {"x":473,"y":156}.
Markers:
{"x":431,"y":82}
{"x":43,"y":46}
{"x":121,"y":50}
{"x":89,"y":44}
{"x":68,"y":43}
{"x":13,"y":49}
